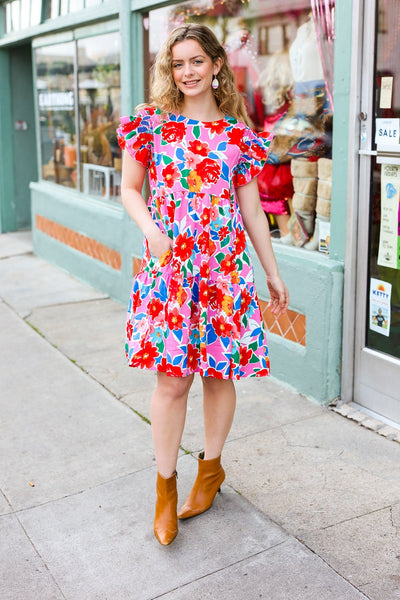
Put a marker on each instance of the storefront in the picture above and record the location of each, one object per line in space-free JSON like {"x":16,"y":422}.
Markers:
{"x":298,"y":65}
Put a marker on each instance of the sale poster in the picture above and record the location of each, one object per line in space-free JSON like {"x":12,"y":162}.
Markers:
{"x":379,"y":306}
{"x":389,"y":240}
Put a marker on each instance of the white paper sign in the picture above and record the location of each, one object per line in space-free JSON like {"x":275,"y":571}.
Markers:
{"x":379,"y":306}
{"x":387,"y":132}
{"x":386,"y":92}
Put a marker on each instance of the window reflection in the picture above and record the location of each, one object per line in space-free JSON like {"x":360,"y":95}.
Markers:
{"x":99,"y":109}
{"x":94,"y":164}
{"x":55,"y":88}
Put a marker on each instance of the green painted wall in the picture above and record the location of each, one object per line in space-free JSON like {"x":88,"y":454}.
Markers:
{"x":7,"y":189}
{"x":340,"y":168}
{"x":24,"y":146}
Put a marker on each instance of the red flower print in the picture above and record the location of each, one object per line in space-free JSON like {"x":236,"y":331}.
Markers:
{"x":240,"y":241}
{"x":215,"y":126}
{"x":175,"y":319}
{"x":193,"y":356}
{"x":154,"y":307}
{"x":142,"y":140}
{"x":127,"y":126}
{"x":213,"y":297}
{"x":257,"y":152}
{"x":129,"y":331}
{"x":170,"y":174}
{"x":223,"y":232}
{"x":173,"y":131}
{"x":227,"y":264}
{"x":203,"y":241}
{"x":221,"y":326}
{"x":254,"y":171}
{"x":205,"y":216}
{"x":146,"y":356}
{"x":209,"y":171}
{"x":245,"y":355}
{"x":236,"y":137}
{"x":198,"y":147}
{"x":262,"y":373}
{"x":166,"y":367}
{"x":240,"y":179}
{"x":174,"y":371}
{"x":121,"y":142}
{"x":236,"y":321}
{"x":171,"y":210}
{"x":204,"y":269}
{"x":226,"y":194}
{"x":184,"y":246}
{"x":142,"y":156}
{"x":153,"y":171}
{"x":135,"y":300}
{"x":203,"y":293}
{"x":245,"y":301}
{"x":214,"y":373}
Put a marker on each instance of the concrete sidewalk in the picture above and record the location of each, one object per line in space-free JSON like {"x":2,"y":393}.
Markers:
{"x":311,"y":505}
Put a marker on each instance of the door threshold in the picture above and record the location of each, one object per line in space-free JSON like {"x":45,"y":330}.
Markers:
{"x":368,"y":418}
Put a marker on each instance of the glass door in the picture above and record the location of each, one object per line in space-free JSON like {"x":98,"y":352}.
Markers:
{"x":377,"y":364}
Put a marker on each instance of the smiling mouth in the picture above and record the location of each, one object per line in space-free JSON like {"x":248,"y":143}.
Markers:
{"x":192,"y":82}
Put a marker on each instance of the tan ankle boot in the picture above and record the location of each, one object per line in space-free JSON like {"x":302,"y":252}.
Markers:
{"x":209,"y":478}
{"x":165,"y":521}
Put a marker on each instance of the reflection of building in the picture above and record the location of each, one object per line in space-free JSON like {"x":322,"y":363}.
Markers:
{"x":87,"y":74}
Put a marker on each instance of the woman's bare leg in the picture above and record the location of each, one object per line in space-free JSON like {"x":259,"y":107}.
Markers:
{"x":219,"y":403}
{"x":168,"y":414}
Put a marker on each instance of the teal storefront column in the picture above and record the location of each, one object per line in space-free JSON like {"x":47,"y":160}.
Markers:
{"x":7,"y":187}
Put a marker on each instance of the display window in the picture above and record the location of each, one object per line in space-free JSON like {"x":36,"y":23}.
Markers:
{"x":21,"y":14}
{"x":281,"y":55}
{"x":79,"y":92}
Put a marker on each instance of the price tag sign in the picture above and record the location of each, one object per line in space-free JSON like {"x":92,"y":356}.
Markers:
{"x":387,"y":132}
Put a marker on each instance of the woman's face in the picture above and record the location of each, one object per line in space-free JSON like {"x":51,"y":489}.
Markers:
{"x":192,"y":68}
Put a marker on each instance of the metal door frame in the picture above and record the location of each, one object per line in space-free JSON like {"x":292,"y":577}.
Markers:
{"x":368,"y":365}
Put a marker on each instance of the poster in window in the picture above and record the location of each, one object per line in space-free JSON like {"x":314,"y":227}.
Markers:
{"x":389,"y":246}
{"x":379,"y":306}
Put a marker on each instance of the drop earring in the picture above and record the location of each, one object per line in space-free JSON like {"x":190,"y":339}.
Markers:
{"x":215,"y":83}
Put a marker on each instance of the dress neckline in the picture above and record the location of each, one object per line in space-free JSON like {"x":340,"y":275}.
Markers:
{"x":178,"y":116}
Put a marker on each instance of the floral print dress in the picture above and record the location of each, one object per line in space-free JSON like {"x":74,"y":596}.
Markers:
{"x":195,"y":310}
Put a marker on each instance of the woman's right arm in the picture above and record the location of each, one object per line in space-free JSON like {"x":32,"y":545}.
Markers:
{"x":133,"y":174}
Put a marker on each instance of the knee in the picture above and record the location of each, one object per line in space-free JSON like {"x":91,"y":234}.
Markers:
{"x":215,"y":385}
{"x":173,"y":388}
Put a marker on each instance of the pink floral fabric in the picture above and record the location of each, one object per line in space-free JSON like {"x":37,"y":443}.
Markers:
{"x":196,"y":310}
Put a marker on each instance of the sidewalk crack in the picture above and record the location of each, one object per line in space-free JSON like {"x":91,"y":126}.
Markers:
{"x":35,"y":549}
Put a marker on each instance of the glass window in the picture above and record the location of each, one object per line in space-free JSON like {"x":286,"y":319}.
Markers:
{"x":36,"y":12}
{"x":99,"y":110}
{"x":55,"y":89}
{"x":88,"y":159}
{"x":281,"y":55}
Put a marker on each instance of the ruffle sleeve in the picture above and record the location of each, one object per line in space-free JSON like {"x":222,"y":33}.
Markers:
{"x":135,"y":135}
{"x":254,"y":153}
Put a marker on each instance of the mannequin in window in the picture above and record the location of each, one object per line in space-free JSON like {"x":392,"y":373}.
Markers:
{"x":275,"y":180}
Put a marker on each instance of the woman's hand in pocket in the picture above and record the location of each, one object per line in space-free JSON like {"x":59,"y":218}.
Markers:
{"x":159,"y":243}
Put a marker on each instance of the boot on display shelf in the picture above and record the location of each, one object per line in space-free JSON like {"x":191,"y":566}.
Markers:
{"x":323,"y":207}
{"x":304,"y":200}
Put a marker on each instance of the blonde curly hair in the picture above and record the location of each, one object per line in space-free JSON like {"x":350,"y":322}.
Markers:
{"x":165,"y":95}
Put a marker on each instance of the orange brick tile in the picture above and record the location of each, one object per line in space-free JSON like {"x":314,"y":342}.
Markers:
{"x":78,"y":241}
